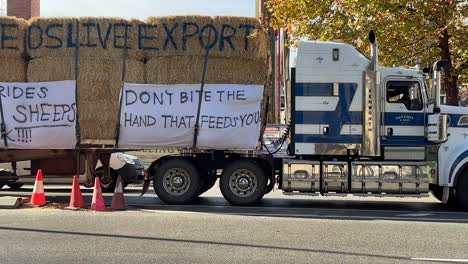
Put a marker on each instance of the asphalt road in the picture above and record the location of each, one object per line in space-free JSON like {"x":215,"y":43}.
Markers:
{"x":281,"y":229}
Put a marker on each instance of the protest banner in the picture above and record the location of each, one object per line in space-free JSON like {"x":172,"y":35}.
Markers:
{"x":38,"y":115}
{"x":165,"y":116}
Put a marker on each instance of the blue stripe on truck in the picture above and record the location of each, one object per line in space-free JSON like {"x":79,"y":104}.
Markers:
{"x":334,"y":119}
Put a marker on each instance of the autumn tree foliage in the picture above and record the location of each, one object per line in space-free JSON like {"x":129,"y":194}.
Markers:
{"x":409,"y":31}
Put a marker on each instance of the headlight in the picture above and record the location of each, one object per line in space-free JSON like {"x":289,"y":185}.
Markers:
{"x":125,"y":159}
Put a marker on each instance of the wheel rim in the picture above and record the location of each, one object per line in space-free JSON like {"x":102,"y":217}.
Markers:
{"x":243,"y":183}
{"x":176,"y":181}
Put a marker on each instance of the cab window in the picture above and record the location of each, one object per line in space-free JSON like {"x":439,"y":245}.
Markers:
{"x":407,"y":93}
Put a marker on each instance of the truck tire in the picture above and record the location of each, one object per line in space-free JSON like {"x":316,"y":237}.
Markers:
{"x":177,"y":181}
{"x":243,"y":182}
{"x":208,"y":181}
{"x":7,"y":175}
{"x":15,"y":186}
{"x":462,"y":191}
{"x":438,"y":192}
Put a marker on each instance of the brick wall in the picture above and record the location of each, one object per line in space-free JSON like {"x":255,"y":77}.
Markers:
{"x":24,"y":8}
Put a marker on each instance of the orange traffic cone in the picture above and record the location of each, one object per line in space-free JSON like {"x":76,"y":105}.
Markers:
{"x":98,"y":200}
{"x":118,"y":200}
{"x":76,"y":198}
{"x":38,"y":195}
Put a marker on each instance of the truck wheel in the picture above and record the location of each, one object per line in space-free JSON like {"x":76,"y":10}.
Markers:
{"x":15,"y":186}
{"x":438,"y":193}
{"x":208,"y":181}
{"x":243,"y":182}
{"x":177,"y":181}
{"x":462,"y":191}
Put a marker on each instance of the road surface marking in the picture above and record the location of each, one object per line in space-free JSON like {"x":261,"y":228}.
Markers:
{"x":415,"y":215}
{"x":441,"y":260}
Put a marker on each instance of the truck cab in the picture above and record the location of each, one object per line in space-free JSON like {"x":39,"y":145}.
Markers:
{"x":369,"y":130}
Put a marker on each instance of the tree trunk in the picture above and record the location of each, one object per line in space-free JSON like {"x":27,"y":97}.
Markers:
{"x":450,"y":79}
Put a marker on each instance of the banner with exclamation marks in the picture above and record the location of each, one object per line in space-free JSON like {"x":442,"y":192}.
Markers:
{"x":38,"y":115}
{"x":24,"y":135}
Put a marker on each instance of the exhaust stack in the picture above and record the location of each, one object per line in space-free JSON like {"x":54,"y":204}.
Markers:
{"x":374,"y":51}
{"x":437,"y":83}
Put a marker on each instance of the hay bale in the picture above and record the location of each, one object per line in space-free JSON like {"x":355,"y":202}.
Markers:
{"x":188,"y":70}
{"x":12,"y":33}
{"x":12,"y":62}
{"x":99,"y":85}
{"x":12,"y":70}
{"x":98,"y":37}
{"x":239,"y":37}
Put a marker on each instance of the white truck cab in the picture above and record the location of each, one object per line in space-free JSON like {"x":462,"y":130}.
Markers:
{"x":373,"y":130}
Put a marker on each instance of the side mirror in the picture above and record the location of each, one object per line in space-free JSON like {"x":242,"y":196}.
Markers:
{"x":429,"y":102}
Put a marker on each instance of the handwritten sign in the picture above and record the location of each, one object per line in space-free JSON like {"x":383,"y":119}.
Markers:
{"x":39,"y":115}
{"x":165,"y":115}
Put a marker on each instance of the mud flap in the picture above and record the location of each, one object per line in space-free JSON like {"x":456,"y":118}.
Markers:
{"x":146,"y":183}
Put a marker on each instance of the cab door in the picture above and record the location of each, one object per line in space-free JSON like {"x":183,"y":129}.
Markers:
{"x":404,"y":117}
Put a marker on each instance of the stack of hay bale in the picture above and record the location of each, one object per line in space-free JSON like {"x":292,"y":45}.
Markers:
{"x":12,"y":56}
{"x":237,"y":50}
{"x":98,"y":61}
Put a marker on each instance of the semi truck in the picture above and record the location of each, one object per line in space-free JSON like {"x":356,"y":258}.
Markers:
{"x":356,"y":128}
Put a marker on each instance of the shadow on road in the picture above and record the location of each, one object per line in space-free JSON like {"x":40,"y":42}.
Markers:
{"x":203,"y":242}
{"x":323,"y":208}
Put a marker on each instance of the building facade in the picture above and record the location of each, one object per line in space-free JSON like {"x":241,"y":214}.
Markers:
{"x":24,"y":8}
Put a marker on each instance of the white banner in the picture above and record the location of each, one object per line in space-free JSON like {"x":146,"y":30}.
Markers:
{"x":165,"y":115}
{"x":39,"y":115}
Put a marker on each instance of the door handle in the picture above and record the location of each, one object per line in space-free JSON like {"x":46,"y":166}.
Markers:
{"x":389,"y":131}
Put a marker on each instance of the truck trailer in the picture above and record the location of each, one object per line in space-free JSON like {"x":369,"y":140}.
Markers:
{"x":356,"y":128}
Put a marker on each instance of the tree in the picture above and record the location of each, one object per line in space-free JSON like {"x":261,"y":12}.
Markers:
{"x":408,"y":31}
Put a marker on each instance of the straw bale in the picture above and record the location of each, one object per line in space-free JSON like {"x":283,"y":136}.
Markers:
{"x":99,"y":37}
{"x":12,"y":31}
{"x":92,"y":69}
{"x":99,"y":84}
{"x":228,"y":41}
{"x":188,"y":70}
{"x":12,"y":70}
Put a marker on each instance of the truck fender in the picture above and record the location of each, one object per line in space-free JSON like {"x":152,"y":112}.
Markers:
{"x":452,"y":156}
{"x":149,"y":172}
{"x":459,"y":165}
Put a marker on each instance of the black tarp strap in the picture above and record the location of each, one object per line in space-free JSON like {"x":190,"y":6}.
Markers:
{"x":207,"y":47}
{"x":77,"y":74}
{"x":2,"y":125}
{"x":124,"y":72}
